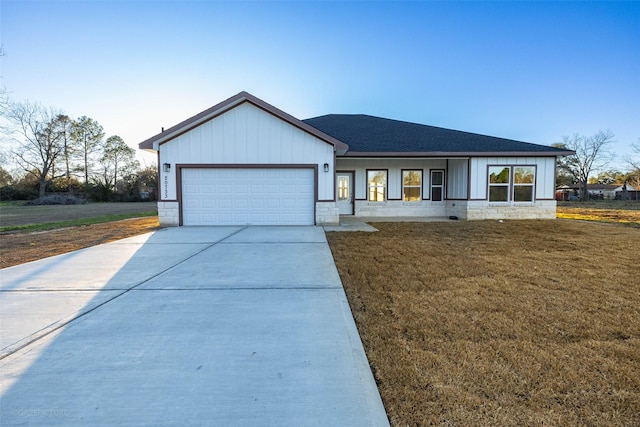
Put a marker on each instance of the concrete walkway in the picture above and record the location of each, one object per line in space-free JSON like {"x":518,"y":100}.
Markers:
{"x":232,"y":326}
{"x":360,"y":223}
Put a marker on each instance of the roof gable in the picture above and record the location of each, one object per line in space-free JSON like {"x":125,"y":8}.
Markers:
{"x":154,"y":142}
{"x":371,"y":136}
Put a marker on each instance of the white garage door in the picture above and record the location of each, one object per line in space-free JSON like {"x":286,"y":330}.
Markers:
{"x":247,"y":196}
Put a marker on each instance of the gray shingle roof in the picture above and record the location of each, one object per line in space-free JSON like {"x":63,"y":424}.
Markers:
{"x":370,"y":135}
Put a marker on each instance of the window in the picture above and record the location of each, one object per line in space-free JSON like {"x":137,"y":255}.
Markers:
{"x":343,"y":188}
{"x":411,"y":185}
{"x":377,"y":180}
{"x":523,"y":179}
{"x":503,"y":187}
{"x":437,"y":186}
{"x":499,"y":183}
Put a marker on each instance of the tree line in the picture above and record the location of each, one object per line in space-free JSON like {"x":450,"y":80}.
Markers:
{"x":592,"y":155}
{"x":56,"y":153}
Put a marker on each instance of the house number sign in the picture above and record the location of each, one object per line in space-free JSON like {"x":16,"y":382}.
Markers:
{"x":166,"y":186}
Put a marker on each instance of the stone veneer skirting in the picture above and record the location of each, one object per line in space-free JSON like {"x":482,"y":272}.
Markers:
{"x":169,"y":214}
{"x":398,"y":208}
{"x":328,"y":214}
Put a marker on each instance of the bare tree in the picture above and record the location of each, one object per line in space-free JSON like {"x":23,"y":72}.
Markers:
{"x":591,"y":154}
{"x":3,"y":91}
{"x":35,"y":132}
{"x":634,"y":163}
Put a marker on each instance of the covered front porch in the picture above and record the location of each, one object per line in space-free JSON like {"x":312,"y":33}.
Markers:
{"x":401,"y":187}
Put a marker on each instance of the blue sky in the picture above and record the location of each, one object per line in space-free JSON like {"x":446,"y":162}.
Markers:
{"x":532,"y":71}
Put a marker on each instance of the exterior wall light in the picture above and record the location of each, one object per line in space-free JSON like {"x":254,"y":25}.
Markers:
{"x":166,"y":167}
{"x":326,"y":167}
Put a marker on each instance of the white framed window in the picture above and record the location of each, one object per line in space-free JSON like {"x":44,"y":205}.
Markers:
{"x":524,"y":178}
{"x":512,"y":184}
{"x":499,"y":183}
{"x":377,"y":185}
{"x":411,"y":185}
{"x":437,"y":185}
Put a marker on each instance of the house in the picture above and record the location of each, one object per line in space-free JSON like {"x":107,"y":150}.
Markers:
{"x":607,"y":191}
{"x":244,"y":161}
{"x":596,"y":191}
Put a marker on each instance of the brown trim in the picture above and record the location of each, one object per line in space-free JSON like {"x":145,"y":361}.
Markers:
{"x":453,"y":154}
{"x":160,"y":199}
{"x":511,"y":188}
{"x":444,"y":183}
{"x":468,"y":179}
{"x":555,"y":175}
{"x":445,"y":197}
{"x":386,"y":187}
{"x":228,"y":104}
{"x":535,"y":183}
{"x":421,"y":170}
{"x":180,"y":166}
{"x":353,"y":187}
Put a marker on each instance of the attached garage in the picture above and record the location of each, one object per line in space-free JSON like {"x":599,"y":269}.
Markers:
{"x":243,"y":161}
{"x":248,"y":195}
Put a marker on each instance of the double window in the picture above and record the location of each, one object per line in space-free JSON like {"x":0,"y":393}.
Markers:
{"x":511,"y":183}
{"x":377,"y":185}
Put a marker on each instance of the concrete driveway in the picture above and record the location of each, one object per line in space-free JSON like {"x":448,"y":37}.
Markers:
{"x":185,"y":326}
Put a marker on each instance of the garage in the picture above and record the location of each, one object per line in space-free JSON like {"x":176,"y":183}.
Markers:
{"x":256,"y":196}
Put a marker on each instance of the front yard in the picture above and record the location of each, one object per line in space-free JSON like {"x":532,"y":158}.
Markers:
{"x":468,"y":323}
{"x":499,"y":323}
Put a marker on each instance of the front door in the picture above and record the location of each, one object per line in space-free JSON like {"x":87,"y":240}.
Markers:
{"x":345,"y":193}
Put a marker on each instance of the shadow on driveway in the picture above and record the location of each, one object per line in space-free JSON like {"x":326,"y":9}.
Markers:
{"x":215,"y":325}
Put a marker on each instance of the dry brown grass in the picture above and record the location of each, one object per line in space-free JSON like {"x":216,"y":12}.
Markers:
{"x":18,"y":248}
{"x":488,"y":323}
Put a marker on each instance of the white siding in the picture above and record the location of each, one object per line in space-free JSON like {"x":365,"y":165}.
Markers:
{"x":246,"y":135}
{"x":394,"y":176}
{"x":394,"y":206}
{"x":457,"y":178}
{"x":545,"y":174}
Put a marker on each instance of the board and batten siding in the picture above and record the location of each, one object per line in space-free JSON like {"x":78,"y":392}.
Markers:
{"x":545,"y":174}
{"x":457,"y":178}
{"x":394,"y":175}
{"x":246,"y":134}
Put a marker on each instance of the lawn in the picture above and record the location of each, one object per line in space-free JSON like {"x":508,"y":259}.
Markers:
{"x":28,"y":233}
{"x":499,"y":323}
{"x":14,"y":216}
{"x":614,"y":211}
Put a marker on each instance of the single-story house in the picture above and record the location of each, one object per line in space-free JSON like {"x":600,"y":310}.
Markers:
{"x":596,"y":191}
{"x":607,"y":191}
{"x":244,"y":161}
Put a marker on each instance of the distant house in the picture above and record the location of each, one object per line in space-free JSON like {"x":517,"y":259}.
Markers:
{"x":602,"y":191}
{"x":244,"y":161}
{"x":596,"y":191}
